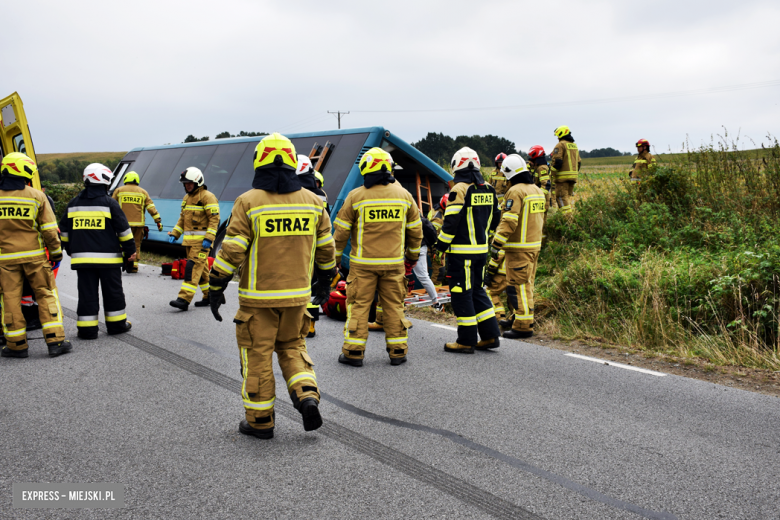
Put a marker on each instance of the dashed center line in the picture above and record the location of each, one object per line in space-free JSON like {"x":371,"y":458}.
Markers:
{"x":618,"y":365}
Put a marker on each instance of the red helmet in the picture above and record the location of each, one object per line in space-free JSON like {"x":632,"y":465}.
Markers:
{"x":535,"y":152}
{"x":643,"y":142}
{"x":443,"y":201}
{"x":500,"y":158}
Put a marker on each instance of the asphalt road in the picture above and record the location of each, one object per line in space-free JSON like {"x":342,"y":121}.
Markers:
{"x":522,"y":432}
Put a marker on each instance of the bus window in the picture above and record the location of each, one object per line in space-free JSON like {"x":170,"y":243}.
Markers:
{"x":142,"y":162}
{"x":160,"y":170}
{"x":222,"y":164}
{"x":241,"y":180}
{"x":197,"y":156}
{"x":19,"y":144}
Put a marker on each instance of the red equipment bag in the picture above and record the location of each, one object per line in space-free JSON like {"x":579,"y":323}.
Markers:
{"x":336,"y":306}
{"x":177,"y":270}
{"x":167,"y":267}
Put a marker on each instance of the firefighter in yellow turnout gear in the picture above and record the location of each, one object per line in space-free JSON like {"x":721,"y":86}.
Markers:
{"x":198,"y":223}
{"x":566,"y":166}
{"x":279,"y":232}
{"x":541,"y":171}
{"x":26,"y":227}
{"x":135,"y":201}
{"x":519,"y":235}
{"x":643,"y":162}
{"x":384,"y":223}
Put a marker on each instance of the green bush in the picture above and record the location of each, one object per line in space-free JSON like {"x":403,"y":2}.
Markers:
{"x":61,"y":194}
{"x":687,"y":260}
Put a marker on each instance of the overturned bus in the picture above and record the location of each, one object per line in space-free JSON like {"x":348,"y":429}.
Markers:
{"x":227,"y":165}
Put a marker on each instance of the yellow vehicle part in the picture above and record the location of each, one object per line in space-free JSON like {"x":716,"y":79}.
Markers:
{"x":15,"y":132}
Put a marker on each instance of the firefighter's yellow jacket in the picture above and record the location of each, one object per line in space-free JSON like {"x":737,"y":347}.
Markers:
{"x":278,"y":238}
{"x":566,"y":161}
{"x":499,"y":182}
{"x":27,"y":227}
{"x":199,"y":217}
{"x":383,"y":222}
{"x":521,"y":224}
{"x":134,"y":200}
{"x":643,"y":161}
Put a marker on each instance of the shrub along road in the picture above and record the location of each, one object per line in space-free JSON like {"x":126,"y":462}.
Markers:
{"x":523,"y":432}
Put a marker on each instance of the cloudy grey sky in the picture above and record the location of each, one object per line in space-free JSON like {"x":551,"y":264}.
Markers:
{"x":110,"y":76}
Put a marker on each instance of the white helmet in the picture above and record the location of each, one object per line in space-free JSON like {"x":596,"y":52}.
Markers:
{"x":304,"y":165}
{"x":192,"y":174}
{"x":97,"y":173}
{"x":465,"y":158}
{"x":513,"y":164}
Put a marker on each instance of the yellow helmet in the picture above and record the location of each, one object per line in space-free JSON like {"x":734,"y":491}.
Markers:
{"x":319,"y":177}
{"x":374,"y":160}
{"x":276,"y":150}
{"x":562,"y":131}
{"x":18,"y":164}
{"x":132,"y":177}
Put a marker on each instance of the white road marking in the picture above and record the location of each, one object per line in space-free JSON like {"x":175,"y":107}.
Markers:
{"x":69,"y":296}
{"x":619,"y":365}
{"x":443,"y":326}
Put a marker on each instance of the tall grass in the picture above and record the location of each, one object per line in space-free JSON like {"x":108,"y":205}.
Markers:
{"x":687,"y":262}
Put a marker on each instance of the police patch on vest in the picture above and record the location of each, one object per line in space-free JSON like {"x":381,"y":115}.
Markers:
{"x":16,"y":211}
{"x":286,"y":225}
{"x":131,"y":199}
{"x":508,"y":204}
{"x":481,"y":199}
{"x":537,"y":206}
{"x":384,"y":214}
{"x":89,"y":223}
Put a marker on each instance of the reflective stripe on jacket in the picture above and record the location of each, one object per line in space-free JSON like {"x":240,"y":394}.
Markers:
{"x":27,"y":227}
{"x":643,"y":161}
{"x":472,"y":212}
{"x":384,"y":224}
{"x":199,"y":218}
{"x":95,"y":232}
{"x":521,"y":224}
{"x":134,"y":200}
{"x":278,"y":238}
{"x":569,"y":154}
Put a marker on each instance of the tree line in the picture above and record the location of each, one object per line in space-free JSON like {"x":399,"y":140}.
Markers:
{"x":222,"y":135}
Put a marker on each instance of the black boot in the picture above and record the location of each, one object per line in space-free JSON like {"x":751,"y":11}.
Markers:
{"x":310,"y":411}
{"x":180,"y":303}
{"x":349,"y":361}
{"x":507,"y":323}
{"x":518,"y":334}
{"x":7,"y":352}
{"x":63,"y":347}
{"x":87,"y":335}
{"x":395,"y":361}
{"x":245,"y":428}
{"x":127,"y":327}
{"x":34,"y":324}
{"x":487,"y":344}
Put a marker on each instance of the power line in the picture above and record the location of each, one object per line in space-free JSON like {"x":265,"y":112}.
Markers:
{"x":642,"y":97}
{"x":339,"y":116}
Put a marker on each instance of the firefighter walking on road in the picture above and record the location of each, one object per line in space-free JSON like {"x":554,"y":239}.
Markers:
{"x":96,"y":235}
{"x":27,"y":227}
{"x":643,"y":162}
{"x":198,"y":223}
{"x":566,"y":166}
{"x":472,"y":213}
{"x":278,"y":232}
{"x":135,"y":201}
{"x":519,"y":235}
{"x":384,"y":223}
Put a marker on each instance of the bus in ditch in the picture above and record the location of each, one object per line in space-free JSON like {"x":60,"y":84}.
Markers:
{"x":227,"y":165}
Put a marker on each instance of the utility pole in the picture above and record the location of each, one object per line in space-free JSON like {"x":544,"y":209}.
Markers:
{"x":338,"y":114}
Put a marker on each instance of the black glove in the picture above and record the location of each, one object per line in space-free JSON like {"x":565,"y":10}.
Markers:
{"x":488,"y":281}
{"x":217,"y":286}
{"x":321,"y":289}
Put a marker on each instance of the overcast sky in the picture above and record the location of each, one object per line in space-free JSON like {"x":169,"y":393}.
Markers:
{"x":110,"y":76}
